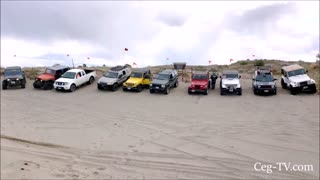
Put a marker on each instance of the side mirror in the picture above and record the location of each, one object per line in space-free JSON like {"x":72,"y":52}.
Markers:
{"x":307,"y":71}
{"x":239,"y":77}
{"x":253,"y":79}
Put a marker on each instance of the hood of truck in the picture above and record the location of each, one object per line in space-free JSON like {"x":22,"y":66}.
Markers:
{"x":299,"y":78}
{"x":65,"y":80}
{"x":197,"y":82}
{"x":46,"y":77}
{"x":230,"y":81}
{"x":107,"y":80}
{"x":159,"y":81}
{"x":134,"y":80}
{"x":13,"y":76}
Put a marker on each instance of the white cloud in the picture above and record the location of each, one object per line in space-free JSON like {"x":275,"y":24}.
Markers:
{"x":188,"y":28}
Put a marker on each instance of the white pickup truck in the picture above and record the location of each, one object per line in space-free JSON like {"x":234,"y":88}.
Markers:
{"x":74,"y":78}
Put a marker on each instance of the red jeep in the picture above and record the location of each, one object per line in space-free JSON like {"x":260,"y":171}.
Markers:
{"x":200,"y":82}
{"x":45,"y":81}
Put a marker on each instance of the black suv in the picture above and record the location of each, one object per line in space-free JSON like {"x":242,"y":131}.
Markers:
{"x":164,"y":81}
{"x":13,"y":76}
{"x":264,"y":82}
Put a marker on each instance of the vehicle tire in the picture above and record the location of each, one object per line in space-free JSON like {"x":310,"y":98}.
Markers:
{"x":151,"y":91}
{"x":124,"y":89}
{"x":189,"y":92}
{"x":283,"y":84}
{"x":91,"y":80}
{"x":240,"y":92}
{"x":221,"y":92}
{"x":275,"y":92}
{"x":292,"y":91}
{"x":47,"y":85}
{"x":23,"y":86}
{"x":139,"y":88}
{"x":176,"y":84}
{"x":167,"y":91}
{"x":313,"y":90}
{"x":4,"y":86}
{"x":206,"y":92}
{"x":99,"y":88}
{"x":73,"y":87}
{"x":115,"y":87}
{"x":255,"y":92}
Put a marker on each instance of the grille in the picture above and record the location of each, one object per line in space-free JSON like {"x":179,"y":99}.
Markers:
{"x":197,"y":86}
{"x":156,"y":85}
{"x":59,"y":83}
{"x":231,"y":86}
{"x":304,"y":83}
{"x":265,"y":86}
{"x":130,"y":84}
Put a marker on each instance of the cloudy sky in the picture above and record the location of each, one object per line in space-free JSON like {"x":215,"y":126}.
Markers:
{"x":38,"y":33}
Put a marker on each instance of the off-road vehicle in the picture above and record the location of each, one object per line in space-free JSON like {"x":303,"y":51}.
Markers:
{"x":139,"y":79}
{"x":230,"y":82}
{"x":46,"y":80}
{"x":74,"y":78}
{"x":13,"y":76}
{"x":263,"y":82}
{"x":294,"y":77}
{"x":164,"y":81}
{"x":114,"y":78}
{"x":200,"y":82}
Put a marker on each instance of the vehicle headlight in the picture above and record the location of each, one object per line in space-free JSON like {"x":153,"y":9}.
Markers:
{"x":66,"y":83}
{"x":259,"y":86}
{"x":8,"y":79}
{"x":238,"y":85}
{"x":294,"y":83}
{"x":223,"y":85}
{"x":17,"y":79}
{"x":163,"y":86}
{"x":150,"y":84}
{"x":311,"y":81}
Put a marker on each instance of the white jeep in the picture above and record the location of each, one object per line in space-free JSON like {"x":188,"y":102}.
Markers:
{"x":230,"y":82}
{"x":295,"y":78}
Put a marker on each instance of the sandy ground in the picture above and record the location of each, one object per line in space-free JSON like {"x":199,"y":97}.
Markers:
{"x":94,"y":134}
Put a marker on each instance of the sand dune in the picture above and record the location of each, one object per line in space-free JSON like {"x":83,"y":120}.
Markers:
{"x":95,"y":134}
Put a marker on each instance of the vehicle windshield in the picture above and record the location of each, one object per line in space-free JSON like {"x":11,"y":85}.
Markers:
{"x":111,"y":75}
{"x":162,"y":76}
{"x":296,"y":72}
{"x":69,"y":75}
{"x":50,"y":71}
{"x":230,"y":76}
{"x":12,"y":72}
{"x":199,"y":77}
{"x":264,"y":78}
{"x":136,"y":75}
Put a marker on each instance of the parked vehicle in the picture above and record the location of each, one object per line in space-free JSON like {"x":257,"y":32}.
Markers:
{"x":139,"y":79}
{"x":263,"y":82}
{"x":164,"y":81}
{"x":295,"y":78}
{"x":200,"y":82}
{"x":213,"y":78}
{"x":74,"y":78}
{"x":46,"y":80}
{"x":230,"y":82}
{"x":13,"y":76}
{"x":114,"y":78}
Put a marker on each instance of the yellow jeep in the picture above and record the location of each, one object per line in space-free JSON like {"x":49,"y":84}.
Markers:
{"x":139,"y":79}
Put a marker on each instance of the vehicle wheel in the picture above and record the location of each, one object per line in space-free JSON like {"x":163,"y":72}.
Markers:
{"x":292,"y":91}
{"x":189,"y":92}
{"x":221,"y":93}
{"x":240,"y":92}
{"x":23,"y":86}
{"x":275,"y":92}
{"x":176,"y":84}
{"x":151,"y":91}
{"x":91,"y":80}
{"x":73,"y":87}
{"x":283,"y":85}
{"x":115,"y":87}
{"x":206,"y":92}
{"x":47,"y":86}
{"x":99,"y":88}
{"x":4,"y":86}
{"x":167,"y":91}
{"x":124,"y":89}
{"x":139,"y":88}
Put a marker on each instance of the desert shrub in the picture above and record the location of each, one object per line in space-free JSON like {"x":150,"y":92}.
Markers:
{"x":243,"y":63}
{"x":32,"y":73}
{"x":314,"y":66}
{"x":259,"y":63}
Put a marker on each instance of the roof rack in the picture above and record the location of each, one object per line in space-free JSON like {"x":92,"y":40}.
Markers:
{"x":117,"y":68}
